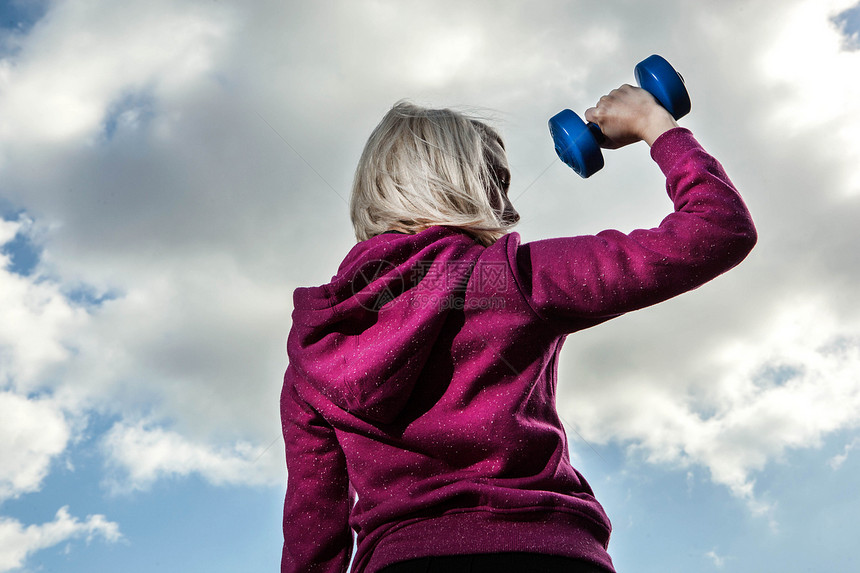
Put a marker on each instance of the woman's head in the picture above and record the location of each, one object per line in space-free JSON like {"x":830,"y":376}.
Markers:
{"x":423,"y":167}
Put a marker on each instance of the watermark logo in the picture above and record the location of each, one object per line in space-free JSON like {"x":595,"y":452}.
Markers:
{"x":445,"y":285}
{"x":390,"y":284}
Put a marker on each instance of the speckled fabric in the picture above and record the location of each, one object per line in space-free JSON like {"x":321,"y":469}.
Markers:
{"x":418,"y":407}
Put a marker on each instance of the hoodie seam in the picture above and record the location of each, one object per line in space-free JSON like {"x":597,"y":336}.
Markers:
{"x":513,"y":269}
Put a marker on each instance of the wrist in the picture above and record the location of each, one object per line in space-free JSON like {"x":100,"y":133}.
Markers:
{"x":658,"y":125}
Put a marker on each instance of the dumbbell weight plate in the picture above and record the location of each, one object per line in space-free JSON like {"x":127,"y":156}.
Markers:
{"x":575,"y":143}
{"x":657,"y":76}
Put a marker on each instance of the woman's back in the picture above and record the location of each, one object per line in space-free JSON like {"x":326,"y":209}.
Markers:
{"x":442,"y":402}
{"x":422,"y":378}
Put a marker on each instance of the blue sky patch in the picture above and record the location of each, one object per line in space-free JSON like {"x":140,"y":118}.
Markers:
{"x":128,"y":113}
{"x":778,"y":374}
{"x":21,"y":14}
{"x":849,"y":23}
{"x":24,"y":256}
{"x":87,"y":296}
{"x":23,"y":253}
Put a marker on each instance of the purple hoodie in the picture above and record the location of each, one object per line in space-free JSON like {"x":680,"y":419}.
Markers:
{"x":422,"y":378}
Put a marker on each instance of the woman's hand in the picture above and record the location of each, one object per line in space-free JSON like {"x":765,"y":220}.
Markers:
{"x":627,"y":115}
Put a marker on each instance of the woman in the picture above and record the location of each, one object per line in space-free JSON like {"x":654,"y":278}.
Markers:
{"x":422,"y":377}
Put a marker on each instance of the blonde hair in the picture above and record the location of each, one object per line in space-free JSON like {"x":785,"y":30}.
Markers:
{"x":423,"y":167}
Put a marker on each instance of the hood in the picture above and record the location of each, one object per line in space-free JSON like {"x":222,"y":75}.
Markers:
{"x":363,"y":339}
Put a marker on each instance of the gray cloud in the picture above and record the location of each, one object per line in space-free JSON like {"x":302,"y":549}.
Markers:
{"x":192,"y":159}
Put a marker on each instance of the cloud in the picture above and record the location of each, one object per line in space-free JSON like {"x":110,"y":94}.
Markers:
{"x":764,"y":360}
{"x":718,"y":560}
{"x":32,"y":433}
{"x":202,"y":345}
{"x":836,"y":461}
{"x":81,"y":56}
{"x":848,"y":22}
{"x":174,"y":346}
{"x":132,"y":135}
{"x":8,"y":230}
{"x":814,"y":96}
{"x":785,"y":385}
{"x":18,"y":542}
{"x":143,"y":454}
{"x":36,"y":320}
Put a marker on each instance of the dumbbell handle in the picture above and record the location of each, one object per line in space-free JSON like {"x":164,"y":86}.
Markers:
{"x":657,"y":76}
{"x":596,"y":132}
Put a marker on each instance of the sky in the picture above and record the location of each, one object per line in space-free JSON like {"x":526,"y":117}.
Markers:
{"x":171,"y":170}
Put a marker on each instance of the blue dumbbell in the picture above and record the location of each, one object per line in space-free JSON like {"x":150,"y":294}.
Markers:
{"x":578,"y":143}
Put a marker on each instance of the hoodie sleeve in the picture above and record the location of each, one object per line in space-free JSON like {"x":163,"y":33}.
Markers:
{"x":317,"y":537}
{"x":579,"y":281}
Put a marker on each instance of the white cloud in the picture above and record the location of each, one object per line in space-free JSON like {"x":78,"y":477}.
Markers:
{"x":765,"y":359}
{"x":36,"y":319}
{"x":836,"y":461}
{"x":177,"y":344}
{"x":8,"y":230}
{"x":143,"y":454}
{"x":203,"y":345}
{"x":788,"y":384}
{"x":32,"y":433}
{"x":83,"y":55}
{"x":202,"y":221}
{"x":805,"y":65}
{"x":718,"y":560}
{"x":17,"y":541}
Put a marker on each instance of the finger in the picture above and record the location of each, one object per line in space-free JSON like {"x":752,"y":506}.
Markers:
{"x":591,"y":114}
